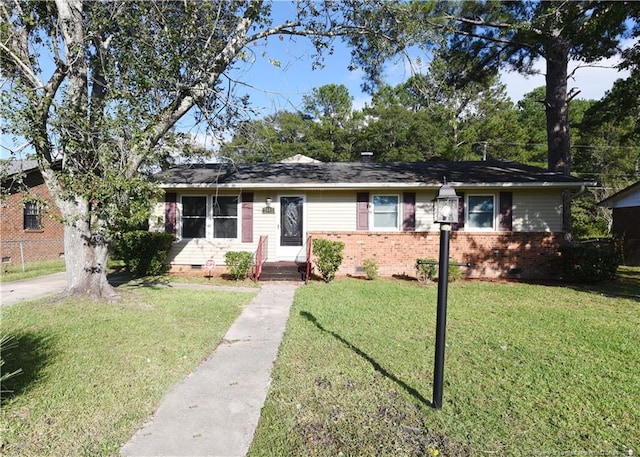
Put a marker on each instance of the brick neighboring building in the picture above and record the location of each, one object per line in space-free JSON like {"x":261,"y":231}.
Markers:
{"x":30,"y":223}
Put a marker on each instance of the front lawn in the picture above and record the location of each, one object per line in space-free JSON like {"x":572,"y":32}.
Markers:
{"x":529,"y":370}
{"x":92,"y":373}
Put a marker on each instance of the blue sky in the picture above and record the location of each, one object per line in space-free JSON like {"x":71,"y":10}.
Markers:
{"x":272,"y":88}
{"x":283,"y":88}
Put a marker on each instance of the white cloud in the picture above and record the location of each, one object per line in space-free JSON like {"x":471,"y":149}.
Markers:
{"x":591,"y":80}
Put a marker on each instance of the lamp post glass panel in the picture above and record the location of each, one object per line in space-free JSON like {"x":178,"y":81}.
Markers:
{"x":445,"y":214}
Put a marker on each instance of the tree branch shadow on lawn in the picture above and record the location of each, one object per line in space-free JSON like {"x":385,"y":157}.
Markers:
{"x":376,"y":366}
{"x":31,"y":354}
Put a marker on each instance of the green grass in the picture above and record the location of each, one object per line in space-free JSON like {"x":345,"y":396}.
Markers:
{"x":14,"y":272}
{"x":529,"y":370}
{"x":92,"y":373}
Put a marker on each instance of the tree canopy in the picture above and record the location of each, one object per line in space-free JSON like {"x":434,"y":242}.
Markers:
{"x":98,"y":87}
{"x":479,"y":38}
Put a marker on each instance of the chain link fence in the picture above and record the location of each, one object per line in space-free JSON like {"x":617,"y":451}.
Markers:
{"x":16,"y":253}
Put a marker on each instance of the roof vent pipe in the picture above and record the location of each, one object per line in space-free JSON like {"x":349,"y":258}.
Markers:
{"x":366,"y":157}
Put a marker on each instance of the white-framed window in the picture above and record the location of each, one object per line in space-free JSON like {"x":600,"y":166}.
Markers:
{"x":225,"y":216}
{"x":194,"y":216}
{"x":386,"y":211}
{"x":481,"y":212}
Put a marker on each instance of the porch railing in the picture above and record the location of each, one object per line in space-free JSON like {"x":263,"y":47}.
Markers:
{"x":309,"y":249}
{"x":260,"y":256}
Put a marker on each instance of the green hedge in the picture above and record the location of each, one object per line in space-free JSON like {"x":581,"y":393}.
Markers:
{"x":238,"y":263}
{"x":328,"y":257}
{"x":145,"y":253}
{"x":592,"y":262}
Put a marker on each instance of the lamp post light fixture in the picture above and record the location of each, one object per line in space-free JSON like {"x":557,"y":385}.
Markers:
{"x":445,"y":214}
{"x":446,"y":205}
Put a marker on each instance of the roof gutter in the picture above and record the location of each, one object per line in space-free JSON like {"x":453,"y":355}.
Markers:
{"x":581,"y":186}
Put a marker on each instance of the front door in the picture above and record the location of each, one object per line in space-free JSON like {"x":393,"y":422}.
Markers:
{"x":291,"y":228}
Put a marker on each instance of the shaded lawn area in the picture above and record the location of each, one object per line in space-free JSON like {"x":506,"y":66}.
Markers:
{"x":93,"y":373}
{"x":529,"y":370}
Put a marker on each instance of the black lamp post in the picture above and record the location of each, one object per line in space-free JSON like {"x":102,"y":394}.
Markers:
{"x":445,"y":214}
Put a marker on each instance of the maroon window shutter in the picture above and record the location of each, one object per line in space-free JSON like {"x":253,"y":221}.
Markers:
{"x":460,"y":224}
{"x":506,"y":205}
{"x":409,"y":211}
{"x":362,"y":221}
{"x":170,"y":199}
{"x":247,"y":217}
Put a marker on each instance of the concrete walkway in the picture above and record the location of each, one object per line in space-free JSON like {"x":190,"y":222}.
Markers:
{"x":30,"y":289}
{"x":215,"y":410}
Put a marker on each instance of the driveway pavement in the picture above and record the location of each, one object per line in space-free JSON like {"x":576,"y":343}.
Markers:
{"x":31,"y":289}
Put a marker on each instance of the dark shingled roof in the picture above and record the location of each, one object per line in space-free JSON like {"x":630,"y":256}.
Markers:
{"x":336,"y":173}
{"x":18,"y":166}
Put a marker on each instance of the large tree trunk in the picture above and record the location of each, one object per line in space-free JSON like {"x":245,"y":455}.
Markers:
{"x":86,"y":254}
{"x":557,"y":110}
{"x":557,"y":107}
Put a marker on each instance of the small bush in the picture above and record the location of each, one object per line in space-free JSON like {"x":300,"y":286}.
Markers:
{"x":455,"y":273}
{"x":592,"y":262}
{"x":370,"y":267}
{"x":328,"y":257}
{"x":238,"y":263}
{"x":426,"y":272}
{"x":145,"y":253}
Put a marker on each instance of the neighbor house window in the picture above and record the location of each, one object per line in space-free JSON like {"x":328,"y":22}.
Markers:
{"x":194,"y":217}
{"x":385,"y":212}
{"x":32,"y":219}
{"x":480,"y":212}
{"x":225,"y":217}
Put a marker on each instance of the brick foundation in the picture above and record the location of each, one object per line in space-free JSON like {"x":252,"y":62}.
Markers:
{"x":492,"y":255}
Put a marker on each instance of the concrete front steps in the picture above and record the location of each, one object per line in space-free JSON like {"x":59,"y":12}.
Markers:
{"x":283,"y":271}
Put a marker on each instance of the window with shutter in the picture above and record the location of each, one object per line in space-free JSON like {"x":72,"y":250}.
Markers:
{"x":480,"y":212}
{"x":409,"y":211}
{"x":385,"y":212}
{"x":461,"y":212}
{"x":362,"y":216}
{"x":247,"y":217}
{"x":506,"y":218}
{"x":170,"y":200}
{"x":194,"y":217}
{"x":225,"y":217}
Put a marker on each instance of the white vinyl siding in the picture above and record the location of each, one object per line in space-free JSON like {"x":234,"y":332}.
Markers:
{"x":424,"y":212}
{"x":156,"y":221}
{"x":537,"y":211}
{"x":331,"y":211}
{"x":197,"y":251}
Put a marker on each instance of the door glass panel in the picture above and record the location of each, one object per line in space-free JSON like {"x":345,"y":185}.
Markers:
{"x":291,"y":221}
